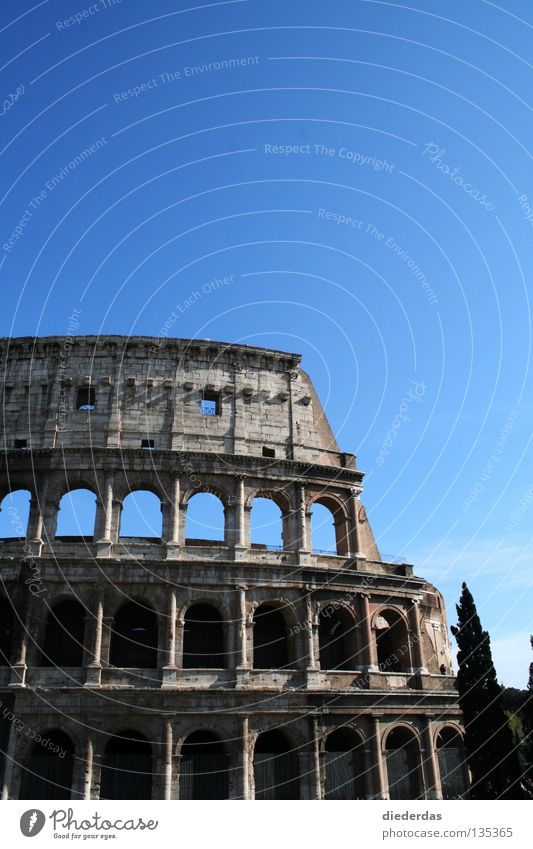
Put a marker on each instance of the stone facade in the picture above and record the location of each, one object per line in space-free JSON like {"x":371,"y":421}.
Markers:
{"x":357,"y":690}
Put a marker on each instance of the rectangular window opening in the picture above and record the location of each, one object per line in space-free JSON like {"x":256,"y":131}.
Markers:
{"x":86,"y":399}
{"x":21,"y":443}
{"x":210,"y":404}
{"x":268,"y":452}
{"x":149,"y":444}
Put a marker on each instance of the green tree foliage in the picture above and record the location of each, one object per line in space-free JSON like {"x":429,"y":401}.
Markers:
{"x":490,"y":750}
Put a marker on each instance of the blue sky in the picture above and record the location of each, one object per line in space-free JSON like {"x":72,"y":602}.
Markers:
{"x":362,"y":170}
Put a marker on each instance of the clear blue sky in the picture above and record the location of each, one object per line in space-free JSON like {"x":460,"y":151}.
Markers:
{"x":413,"y":121}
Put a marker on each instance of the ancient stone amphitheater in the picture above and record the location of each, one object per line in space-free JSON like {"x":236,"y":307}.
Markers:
{"x":171,"y":667}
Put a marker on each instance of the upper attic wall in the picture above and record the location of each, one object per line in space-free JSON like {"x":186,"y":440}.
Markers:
{"x":147,"y":388}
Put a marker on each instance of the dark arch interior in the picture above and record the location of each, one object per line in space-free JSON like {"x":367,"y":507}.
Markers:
{"x":47,"y":772}
{"x":276,"y":771}
{"x":7,"y":624}
{"x":127,"y":767}
{"x":403,"y":765}
{"x":336,"y":634}
{"x":344,"y":765}
{"x":271,"y":649}
{"x":63,"y":636}
{"x":203,"y":638}
{"x":204,"y":767}
{"x":392,"y":642}
{"x":134,"y":637}
{"x":450,"y":753}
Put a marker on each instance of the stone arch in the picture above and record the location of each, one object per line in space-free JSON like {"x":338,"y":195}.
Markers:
{"x":203,"y":637}
{"x":204,"y":767}
{"x":76,"y":512}
{"x":340,"y":539}
{"x":127,"y":767}
{"x":344,"y":762}
{"x":273,"y":641}
{"x":337,"y":636}
{"x":64,"y":634}
{"x":391,"y":631}
{"x":276,"y":766}
{"x":208,"y":488}
{"x":15,"y":512}
{"x":134,"y":636}
{"x":48,"y":767}
{"x":402,"y":757}
{"x":449,"y":745}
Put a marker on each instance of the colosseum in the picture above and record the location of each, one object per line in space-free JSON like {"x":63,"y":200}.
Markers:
{"x":169,"y":666}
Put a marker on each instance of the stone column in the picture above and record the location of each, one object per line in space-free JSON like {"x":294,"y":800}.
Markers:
{"x":178,"y":647}
{"x":355,"y":544}
{"x":416,"y":640}
{"x":316,"y":760}
{"x":19,"y":668}
{"x":379,"y":774}
{"x":310,"y":628}
{"x":88,"y":769}
{"x":432,"y":781}
{"x":93,"y":673}
{"x":243,"y":630}
{"x":242,"y":660}
{"x":368,"y":636}
{"x":239,"y":530}
{"x":303,"y":542}
{"x":103,"y":547}
{"x":245,"y":760}
{"x":168,"y":761}
{"x":169,"y":669}
{"x":9,"y":761}
{"x":174,"y":527}
{"x":36,"y":518}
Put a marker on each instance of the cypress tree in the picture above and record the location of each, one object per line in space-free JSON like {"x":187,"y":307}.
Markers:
{"x":489,"y":748}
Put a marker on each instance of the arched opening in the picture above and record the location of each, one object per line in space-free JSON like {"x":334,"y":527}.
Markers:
{"x":204,"y":767}
{"x":14,"y":514}
{"x":403,"y":764}
{"x":266,"y":524}
{"x":271,"y":650}
{"x":47,"y":772}
{"x":134,"y":637}
{"x":345,"y":771}
{"x":127,"y":767}
{"x":392,"y":642}
{"x":452,"y":767}
{"x":336,"y":635}
{"x":205,"y":518}
{"x":63,"y":636}
{"x":329,"y":528}
{"x":7,"y":626}
{"x":77,"y":513}
{"x":141,"y":516}
{"x":203,"y":638}
{"x":276,"y":773}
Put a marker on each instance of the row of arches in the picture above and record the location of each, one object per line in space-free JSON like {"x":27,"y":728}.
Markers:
{"x":134,"y":638}
{"x":141,"y":517}
{"x":205,"y":765}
